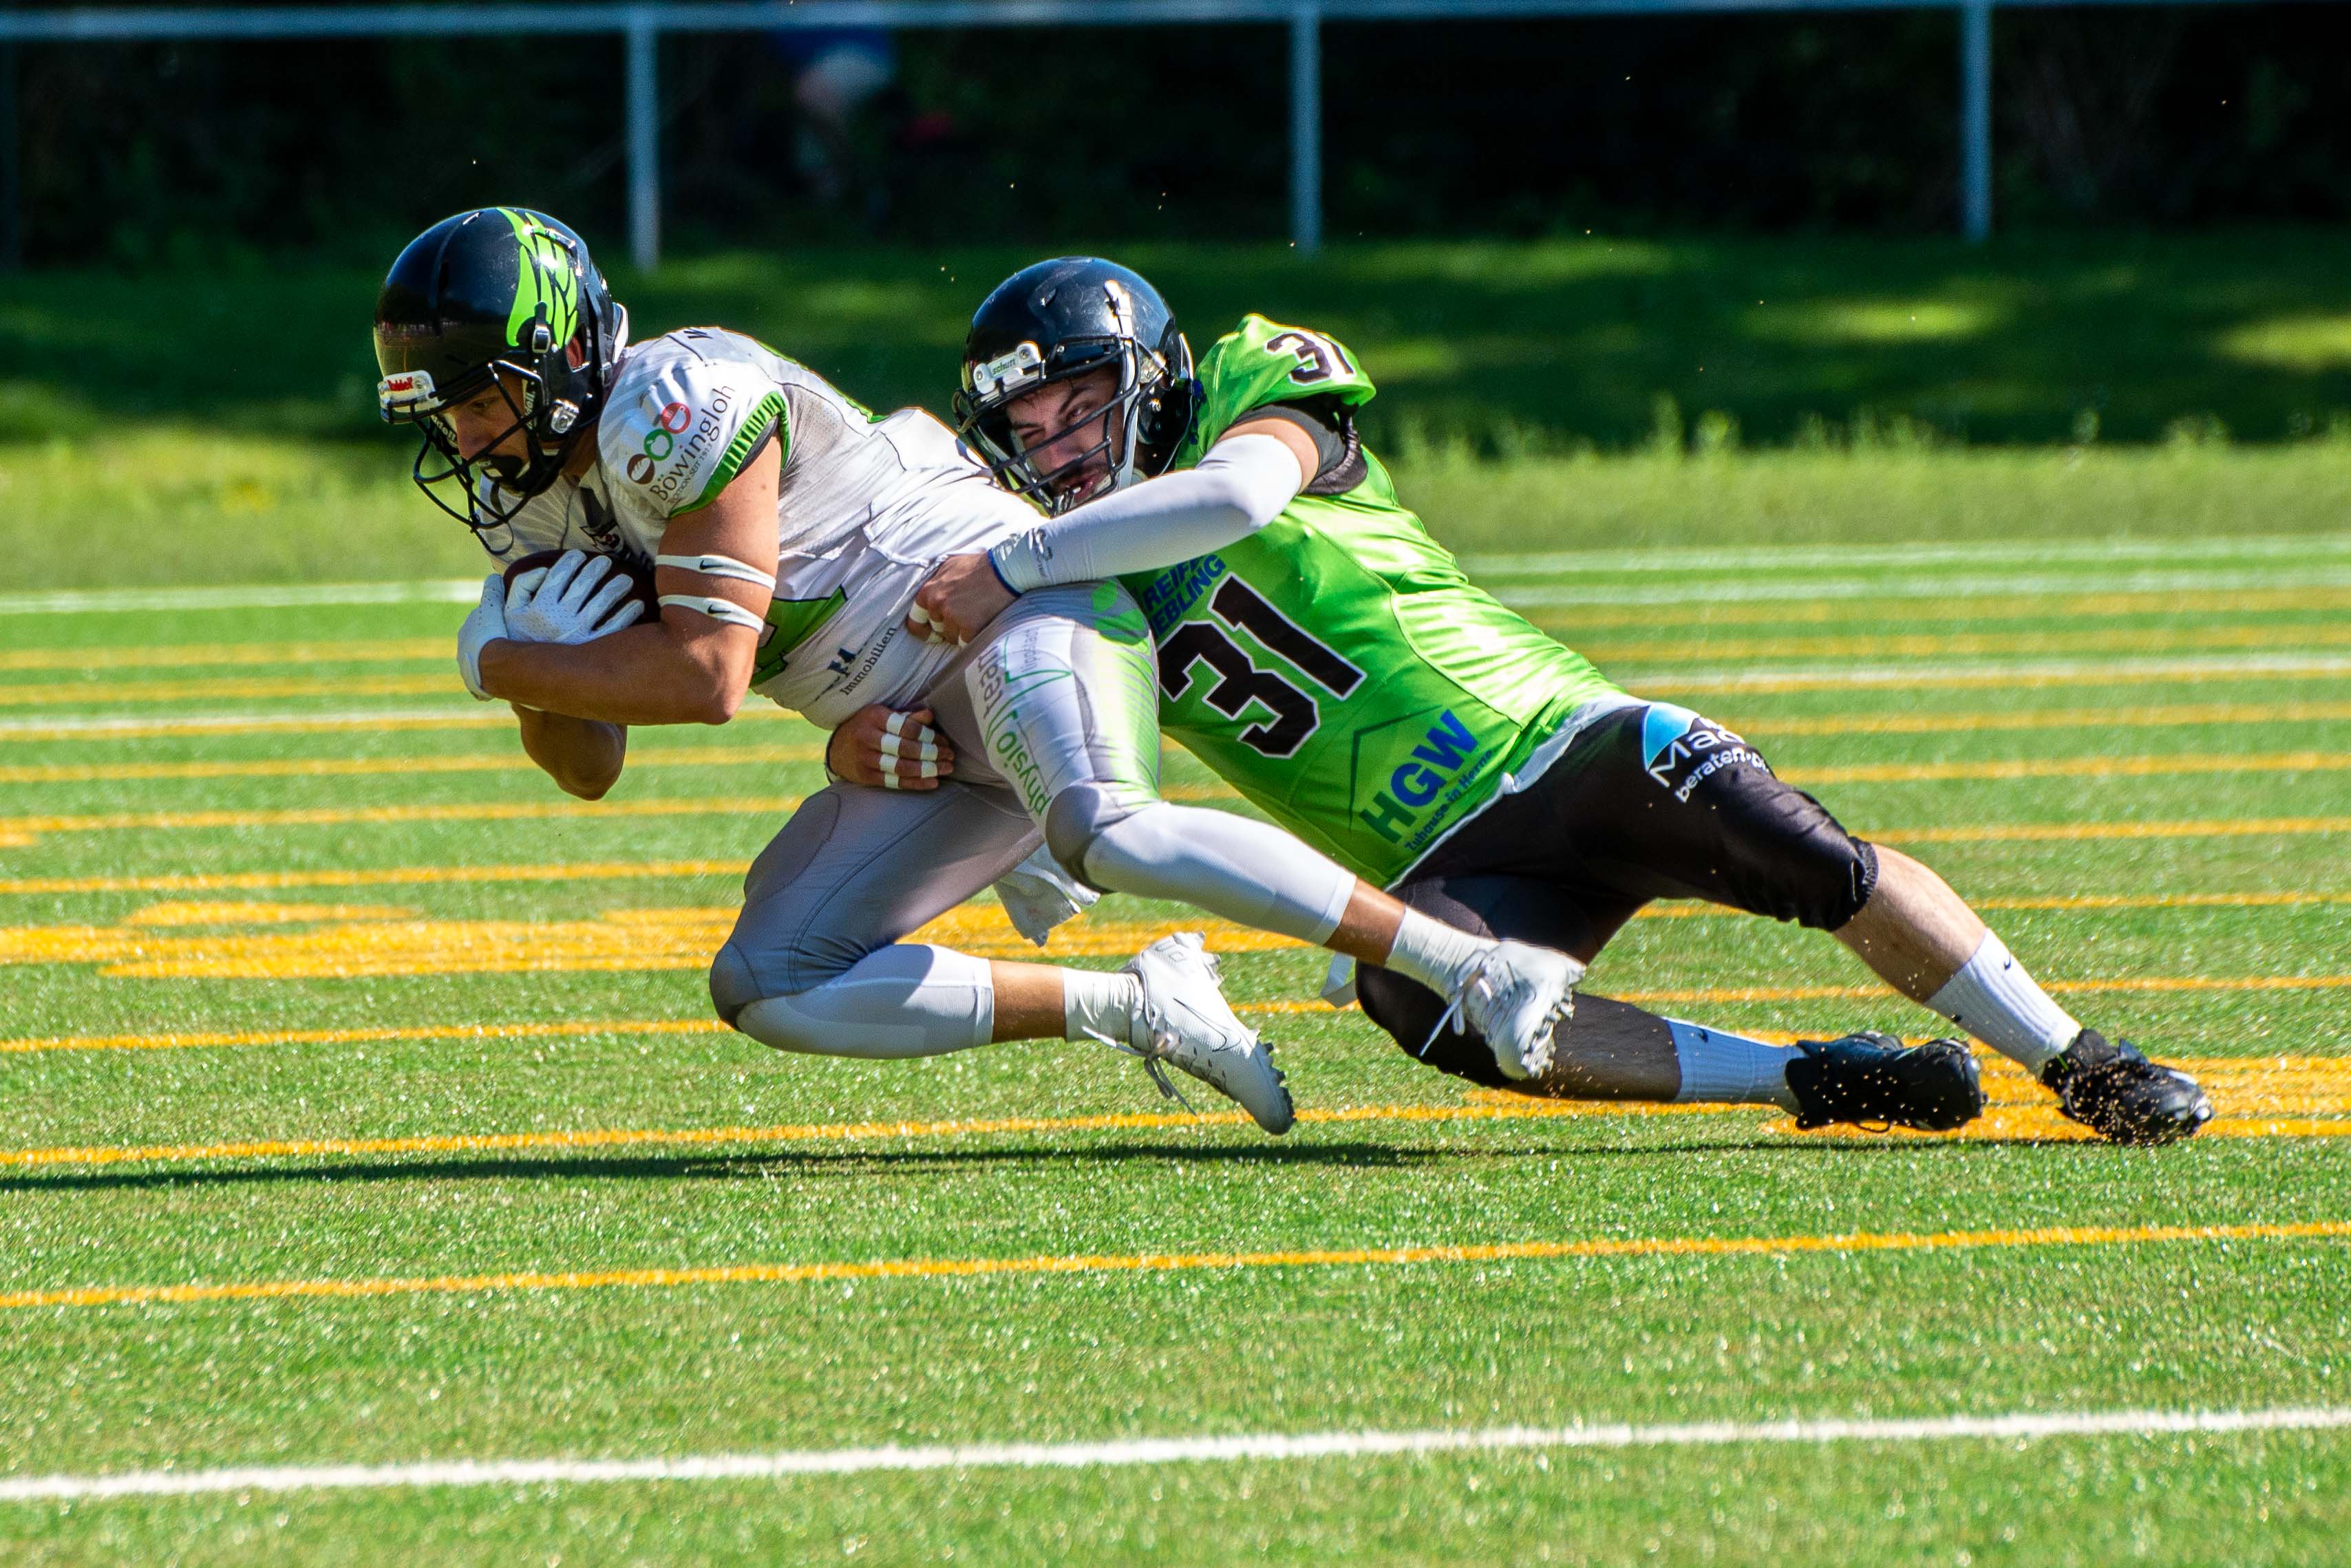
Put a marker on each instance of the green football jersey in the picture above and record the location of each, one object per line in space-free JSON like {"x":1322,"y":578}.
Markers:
{"x":1336,"y":666}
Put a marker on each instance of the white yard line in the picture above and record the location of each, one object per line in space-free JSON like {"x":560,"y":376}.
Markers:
{"x":1156,"y":1451}
{"x":293,"y":595}
{"x":358,"y":719}
{"x":2091,"y":553}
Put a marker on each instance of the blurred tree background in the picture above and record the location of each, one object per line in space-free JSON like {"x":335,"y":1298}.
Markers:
{"x":156,"y":154}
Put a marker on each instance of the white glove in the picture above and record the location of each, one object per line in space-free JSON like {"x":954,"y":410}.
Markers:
{"x":565,"y":603}
{"x":484,"y":625}
{"x":1038,"y":895}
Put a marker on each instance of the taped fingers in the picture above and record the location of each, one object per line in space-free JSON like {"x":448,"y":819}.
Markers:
{"x":902,"y":736}
{"x":918,"y":618}
{"x":907,"y":752}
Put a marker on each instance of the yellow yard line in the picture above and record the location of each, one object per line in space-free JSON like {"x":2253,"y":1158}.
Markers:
{"x":2087,"y":719}
{"x":1649,"y":682}
{"x":2079,"y":902}
{"x":345,"y":686}
{"x":20,"y":829}
{"x":387,"y":876}
{"x":2312,"y":1092}
{"x":460,"y":763}
{"x":1171,"y":1262}
{"x":2090,"y":721}
{"x":2043,"y":832}
{"x":2167,"y":901}
{"x":616,"y":871}
{"x":2057,"y":768}
{"x":339,"y":815}
{"x":745,"y":756}
{"x":387,"y":1035}
{"x":2055,"y":604}
{"x":2147,"y":983}
{"x":495,"y":717}
{"x":185,"y":655}
{"x":1892,"y":645}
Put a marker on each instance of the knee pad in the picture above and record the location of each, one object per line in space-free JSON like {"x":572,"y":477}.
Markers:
{"x":1833,"y":878}
{"x":774,"y":1022}
{"x":1861,"y":882}
{"x":732,"y":986}
{"x":1077,"y":817}
{"x":1784,"y":856}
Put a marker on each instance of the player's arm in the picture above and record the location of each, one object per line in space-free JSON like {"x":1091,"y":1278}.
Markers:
{"x":1239,"y":486}
{"x":694,"y":665}
{"x":583,"y":757}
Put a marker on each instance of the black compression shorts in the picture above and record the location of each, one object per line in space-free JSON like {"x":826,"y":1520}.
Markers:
{"x":1651,"y":802}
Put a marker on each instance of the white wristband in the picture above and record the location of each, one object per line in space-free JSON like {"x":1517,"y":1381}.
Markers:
{"x":719,"y":566}
{"x":716,"y":608}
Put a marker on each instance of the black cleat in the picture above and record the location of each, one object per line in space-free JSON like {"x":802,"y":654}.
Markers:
{"x":2116,"y":1092}
{"x":1874,"y":1079}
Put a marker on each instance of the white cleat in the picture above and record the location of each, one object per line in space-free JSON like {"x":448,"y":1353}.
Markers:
{"x":1515,"y":999}
{"x":1185,"y":1019}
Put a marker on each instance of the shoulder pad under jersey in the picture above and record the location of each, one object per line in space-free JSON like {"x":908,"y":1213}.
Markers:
{"x":1262,"y":362}
{"x":686,"y":412}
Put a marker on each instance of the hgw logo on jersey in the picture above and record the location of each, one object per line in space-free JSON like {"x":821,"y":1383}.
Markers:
{"x":1418,"y":791}
{"x":665,"y":465}
{"x":1682,"y":751}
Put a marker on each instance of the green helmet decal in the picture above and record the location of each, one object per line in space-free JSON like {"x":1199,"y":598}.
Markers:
{"x":503,"y":298}
{"x":547,"y":286}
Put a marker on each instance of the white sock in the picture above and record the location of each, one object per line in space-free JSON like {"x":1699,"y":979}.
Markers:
{"x":1245,"y":872}
{"x":900,"y":1002}
{"x":1439,"y":955}
{"x":1097,"y":1006}
{"x":1725,"y":1069}
{"x":1993,"y":999}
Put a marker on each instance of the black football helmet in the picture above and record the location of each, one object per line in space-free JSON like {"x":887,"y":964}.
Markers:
{"x":498,"y":298}
{"x":1062,"y":318}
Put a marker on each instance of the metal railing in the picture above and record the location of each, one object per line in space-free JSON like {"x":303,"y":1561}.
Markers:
{"x":642,"y":26}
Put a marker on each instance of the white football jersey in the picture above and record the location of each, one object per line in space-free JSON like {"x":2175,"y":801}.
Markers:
{"x":869,"y":506}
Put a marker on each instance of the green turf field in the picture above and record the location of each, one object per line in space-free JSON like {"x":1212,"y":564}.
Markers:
{"x":363,"y":1108}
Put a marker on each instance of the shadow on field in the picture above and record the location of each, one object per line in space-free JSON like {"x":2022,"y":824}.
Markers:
{"x":704,"y":1168}
{"x":772,"y":1167}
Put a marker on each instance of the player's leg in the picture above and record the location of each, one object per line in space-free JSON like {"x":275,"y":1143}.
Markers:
{"x":1058,"y":700}
{"x":1572,"y":854}
{"x":1605,"y":1050}
{"x":1923,"y":941}
{"x":816,"y":962}
{"x":1695,"y":812}
{"x":1611,"y":1050}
